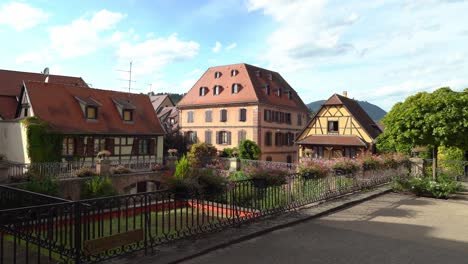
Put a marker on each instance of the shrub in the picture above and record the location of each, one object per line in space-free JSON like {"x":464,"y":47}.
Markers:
{"x":371,"y":162}
{"x":388,"y":162}
{"x":182,"y":169}
{"x":97,"y":187}
{"x":228,"y":152}
{"x":425,"y":186}
{"x":200,"y":154}
{"x":210,"y":182}
{"x":312,"y":170}
{"x":85,"y":172}
{"x":120,"y":170}
{"x":248,"y":149}
{"x":183,"y":186}
{"x":46,"y":185}
{"x":269,"y":177}
{"x":345,"y":166}
{"x":238,"y":176}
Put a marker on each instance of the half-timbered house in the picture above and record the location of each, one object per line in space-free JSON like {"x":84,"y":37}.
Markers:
{"x":340,"y":128}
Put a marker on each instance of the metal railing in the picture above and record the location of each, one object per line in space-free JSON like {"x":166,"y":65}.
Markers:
{"x":260,"y":164}
{"x":91,"y":231}
{"x":11,"y":197}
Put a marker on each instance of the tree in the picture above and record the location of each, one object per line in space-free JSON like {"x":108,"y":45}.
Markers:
{"x":248,"y":149}
{"x":428,"y":119}
{"x":201,"y":154}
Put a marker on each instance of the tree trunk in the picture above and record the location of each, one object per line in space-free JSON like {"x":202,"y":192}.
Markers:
{"x":434,"y":162}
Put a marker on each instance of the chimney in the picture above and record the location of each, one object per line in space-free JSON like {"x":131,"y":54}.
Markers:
{"x":46,"y":79}
{"x":345,"y":93}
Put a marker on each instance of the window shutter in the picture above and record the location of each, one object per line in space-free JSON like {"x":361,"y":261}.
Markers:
{"x":218,"y":137}
{"x":195,"y":138}
{"x":152,"y":146}
{"x":109,"y":145}
{"x":90,"y":146}
{"x":229,"y":138}
{"x":135,"y":146}
{"x":208,"y":137}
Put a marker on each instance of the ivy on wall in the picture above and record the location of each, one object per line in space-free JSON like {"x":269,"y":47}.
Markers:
{"x":42,"y":144}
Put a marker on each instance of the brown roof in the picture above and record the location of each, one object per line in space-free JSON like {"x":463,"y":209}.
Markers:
{"x":357,"y":112}
{"x":332,"y":140}
{"x":8,"y":105}
{"x":252,"y":88}
{"x":157,"y":100}
{"x":12,"y":81}
{"x":57,"y":104}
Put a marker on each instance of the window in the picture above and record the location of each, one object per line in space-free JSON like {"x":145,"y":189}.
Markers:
{"x":268,"y":140}
{"x":223,"y":115}
{"x":235,"y":88}
{"x":190,"y":117}
{"x":208,"y":137}
{"x":317,"y":152}
{"x":289,"y":140}
{"x":234,"y":72}
{"x":242,"y":114}
{"x":288,"y":118}
{"x":269,"y":158}
{"x":203,"y":91}
{"x":208,"y":116}
{"x":289,"y":159}
{"x":217,"y":75}
{"x":191,"y":137}
{"x":258,"y":73}
{"x":350,"y":152}
{"x":171,"y":120}
{"x":267,"y":89}
{"x":68,"y":146}
{"x":281,"y":119}
{"x":26,"y":111}
{"x":127,"y":115}
{"x":91,"y":112}
{"x":279,"y":139}
{"x":224,"y":138}
{"x":289,"y":92}
{"x":332,"y":126}
{"x":299,"y":119}
{"x":217,"y":90}
{"x":270,"y":76}
{"x":267,"y":116}
{"x":99,"y":144}
{"x":143,"y":146}
{"x":279,"y":92}
{"x":242,"y":135}
{"x":276,"y":117}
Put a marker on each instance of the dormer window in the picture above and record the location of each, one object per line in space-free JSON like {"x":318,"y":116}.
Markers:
{"x":279,"y":92}
{"x":203,"y":91}
{"x":270,"y":76}
{"x":91,"y":112}
{"x":217,"y":90}
{"x":267,"y":89}
{"x":217,"y":75}
{"x":258,"y":73}
{"x":235,"y":88}
{"x":127,"y":115}
{"x":289,"y":92}
{"x":234,"y":73}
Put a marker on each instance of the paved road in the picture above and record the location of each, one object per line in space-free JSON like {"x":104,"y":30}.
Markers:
{"x":389,"y":229}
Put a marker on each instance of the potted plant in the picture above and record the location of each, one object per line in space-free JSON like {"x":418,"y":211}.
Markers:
{"x":345,"y":167}
{"x":312,"y":170}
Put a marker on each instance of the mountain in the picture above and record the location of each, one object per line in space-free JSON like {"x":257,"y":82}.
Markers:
{"x":375,"y":112}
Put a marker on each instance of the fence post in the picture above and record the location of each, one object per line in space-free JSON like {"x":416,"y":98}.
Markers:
{"x":78,"y":240}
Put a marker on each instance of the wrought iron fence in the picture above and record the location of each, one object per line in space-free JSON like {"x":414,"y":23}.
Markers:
{"x":11,"y":197}
{"x":91,"y":231}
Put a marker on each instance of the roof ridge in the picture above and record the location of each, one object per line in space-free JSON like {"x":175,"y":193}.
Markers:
{"x":40,"y":73}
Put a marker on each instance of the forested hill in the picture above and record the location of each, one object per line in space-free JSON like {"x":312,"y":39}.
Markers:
{"x":374,"y":111}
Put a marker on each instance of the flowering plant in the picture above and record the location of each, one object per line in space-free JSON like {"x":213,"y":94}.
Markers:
{"x":313,"y":169}
{"x":346,"y":166}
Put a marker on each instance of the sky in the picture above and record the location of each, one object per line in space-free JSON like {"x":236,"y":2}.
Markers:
{"x":379,"y":51}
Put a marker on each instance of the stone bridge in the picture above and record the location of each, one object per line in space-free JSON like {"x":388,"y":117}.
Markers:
{"x":123,"y":183}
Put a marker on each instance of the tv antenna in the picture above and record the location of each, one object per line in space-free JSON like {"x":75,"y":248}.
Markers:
{"x":129,"y":76}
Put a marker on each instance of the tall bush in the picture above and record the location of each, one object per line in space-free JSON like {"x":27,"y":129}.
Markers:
{"x":201,"y":154}
{"x":248,"y":149}
{"x":182,"y":169}
{"x":97,"y":187}
{"x":43,"y":145}
{"x":47,"y":185}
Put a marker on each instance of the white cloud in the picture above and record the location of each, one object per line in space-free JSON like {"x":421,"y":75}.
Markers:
{"x":85,"y":36}
{"x":21,"y":16}
{"x":161,"y":86}
{"x":231,"y":46}
{"x":152,"y":55}
{"x":35,"y":57}
{"x":217,"y":47}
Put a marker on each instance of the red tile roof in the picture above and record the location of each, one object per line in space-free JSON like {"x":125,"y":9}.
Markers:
{"x":369,"y":125}
{"x":252,"y":88}
{"x":8,"y":106}
{"x":332,"y":140}
{"x":57,"y":104}
{"x":12,"y":81}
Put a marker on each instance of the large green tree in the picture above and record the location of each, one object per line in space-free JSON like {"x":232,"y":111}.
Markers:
{"x":428,"y":119}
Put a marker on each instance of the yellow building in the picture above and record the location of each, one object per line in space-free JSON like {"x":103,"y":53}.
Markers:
{"x":341,"y":128}
{"x":240,"y":101}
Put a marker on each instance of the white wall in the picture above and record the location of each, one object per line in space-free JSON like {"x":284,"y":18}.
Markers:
{"x":13,"y":141}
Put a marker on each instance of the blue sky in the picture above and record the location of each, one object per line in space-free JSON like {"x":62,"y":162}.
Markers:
{"x":380,"y":51}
